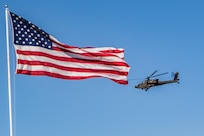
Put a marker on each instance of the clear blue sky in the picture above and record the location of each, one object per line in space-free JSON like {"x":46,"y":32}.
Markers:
{"x":164,"y":35}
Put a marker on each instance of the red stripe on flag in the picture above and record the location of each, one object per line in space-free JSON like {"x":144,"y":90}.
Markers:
{"x":67,"y":59}
{"x":48,"y":64}
{"x":101,"y":53}
{"x":57,"y":75}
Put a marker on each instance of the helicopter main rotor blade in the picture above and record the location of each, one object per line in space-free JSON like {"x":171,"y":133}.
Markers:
{"x":160,"y":74}
{"x":152,"y":74}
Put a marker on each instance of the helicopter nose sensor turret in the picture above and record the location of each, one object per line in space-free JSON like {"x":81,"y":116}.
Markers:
{"x":138,"y":86}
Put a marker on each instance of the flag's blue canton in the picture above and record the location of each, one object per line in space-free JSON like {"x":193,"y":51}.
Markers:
{"x":26,"y":33}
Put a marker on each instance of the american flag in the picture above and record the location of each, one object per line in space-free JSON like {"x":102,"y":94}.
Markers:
{"x":39,"y":53}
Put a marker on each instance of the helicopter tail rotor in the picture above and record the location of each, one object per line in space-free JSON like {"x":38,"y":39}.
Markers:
{"x":176,"y":76}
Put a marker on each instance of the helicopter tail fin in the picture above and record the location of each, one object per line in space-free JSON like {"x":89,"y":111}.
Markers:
{"x":176,"y":76}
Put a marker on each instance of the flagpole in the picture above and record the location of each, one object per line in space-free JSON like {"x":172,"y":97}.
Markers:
{"x":9,"y":78}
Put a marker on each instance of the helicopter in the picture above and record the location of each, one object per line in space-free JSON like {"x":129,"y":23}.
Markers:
{"x":148,"y":83}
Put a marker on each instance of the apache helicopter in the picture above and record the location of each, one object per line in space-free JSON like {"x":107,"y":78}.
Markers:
{"x":148,"y":83}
